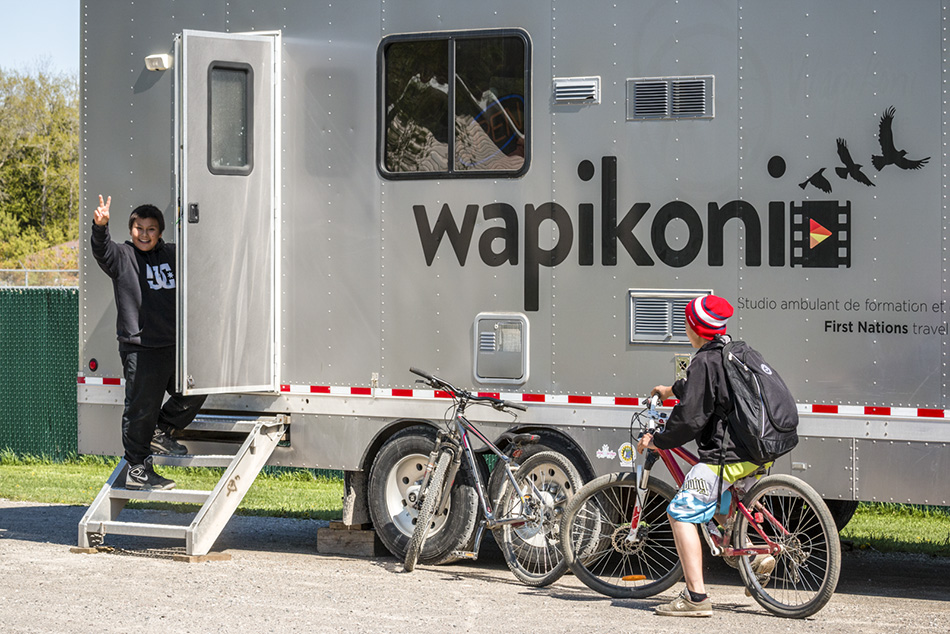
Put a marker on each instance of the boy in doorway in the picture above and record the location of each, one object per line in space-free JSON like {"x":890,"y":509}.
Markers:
{"x":701,"y":394}
{"x":143,"y":280}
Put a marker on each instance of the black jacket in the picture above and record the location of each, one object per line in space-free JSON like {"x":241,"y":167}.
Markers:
{"x":144,"y":287}
{"x":701,"y":394}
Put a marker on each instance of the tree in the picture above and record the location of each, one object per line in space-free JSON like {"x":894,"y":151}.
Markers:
{"x":39,"y":162}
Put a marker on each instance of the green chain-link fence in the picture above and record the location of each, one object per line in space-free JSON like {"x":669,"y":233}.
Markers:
{"x":39,"y":347}
{"x":39,"y":355}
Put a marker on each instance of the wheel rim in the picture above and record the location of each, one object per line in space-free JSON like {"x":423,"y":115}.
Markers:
{"x":803,"y":558}
{"x":600,"y":537}
{"x":402,"y":489}
{"x":555,"y":487}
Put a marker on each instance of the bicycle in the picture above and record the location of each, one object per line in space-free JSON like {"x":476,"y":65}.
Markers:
{"x":528,"y":507}
{"x":617,"y":538}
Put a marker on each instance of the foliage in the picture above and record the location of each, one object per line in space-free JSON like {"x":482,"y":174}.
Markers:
{"x":39,"y":163}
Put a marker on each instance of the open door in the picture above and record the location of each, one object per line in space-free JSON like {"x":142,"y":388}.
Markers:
{"x":227,"y":228}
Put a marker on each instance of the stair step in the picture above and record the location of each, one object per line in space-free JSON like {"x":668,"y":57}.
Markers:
{"x":207,"y":422}
{"x":193,"y":460}
{"x":139,"y":529}
{"x":184,"y":496}
{"x":243,"y":426}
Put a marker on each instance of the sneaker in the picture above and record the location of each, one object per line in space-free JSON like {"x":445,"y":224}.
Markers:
{"x":142,"y":477}
{"x":164,"y":444}
{"x":762,"y":566}
{"x":683,"y":606}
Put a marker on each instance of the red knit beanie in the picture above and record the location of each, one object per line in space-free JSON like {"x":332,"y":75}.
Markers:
{"x":707,"y":315}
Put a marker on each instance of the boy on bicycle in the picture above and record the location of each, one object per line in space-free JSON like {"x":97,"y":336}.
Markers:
{"x":702,"y":394}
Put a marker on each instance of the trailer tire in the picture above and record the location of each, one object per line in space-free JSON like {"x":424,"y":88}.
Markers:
{"x":393,"y":478}
{"x":841,"y":511}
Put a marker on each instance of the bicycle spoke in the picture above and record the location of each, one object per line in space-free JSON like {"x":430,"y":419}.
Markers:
{"x":808,"y":560}
{"x":532,"y":548}
{"x":603,"y":554}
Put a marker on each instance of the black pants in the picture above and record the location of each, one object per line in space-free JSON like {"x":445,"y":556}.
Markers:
{"x":149,"y":373}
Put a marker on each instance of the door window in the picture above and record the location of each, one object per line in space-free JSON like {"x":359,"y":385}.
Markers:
{"x":229,"y":118}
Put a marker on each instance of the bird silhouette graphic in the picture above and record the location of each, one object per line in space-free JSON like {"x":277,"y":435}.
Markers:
{"x":818,"y":180}
{"x":890,"y":155}
{"x":850,"y":168}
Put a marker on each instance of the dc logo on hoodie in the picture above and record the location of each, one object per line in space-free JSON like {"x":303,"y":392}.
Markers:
{"x":160,"y":277}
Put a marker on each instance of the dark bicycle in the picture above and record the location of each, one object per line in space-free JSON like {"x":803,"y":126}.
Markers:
{"x":525,"y":514}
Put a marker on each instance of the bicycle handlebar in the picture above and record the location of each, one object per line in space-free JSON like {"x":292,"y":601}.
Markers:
{"x":436,"y":382}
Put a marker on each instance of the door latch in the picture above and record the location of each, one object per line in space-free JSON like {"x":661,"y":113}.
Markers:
{"x":193,"y":213}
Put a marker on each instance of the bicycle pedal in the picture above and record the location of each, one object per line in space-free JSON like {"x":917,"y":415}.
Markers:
{"x":465,"y":554}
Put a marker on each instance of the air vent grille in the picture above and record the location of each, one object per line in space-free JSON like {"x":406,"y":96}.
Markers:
{"x":659,"y":316}
{"x":670,"y":98}
{"x":486,"y":342}
{"x":651,"y":99}
{"x":577,"y":90}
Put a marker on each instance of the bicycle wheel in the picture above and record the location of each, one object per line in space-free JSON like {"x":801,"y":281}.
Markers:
{"x":594,"y":537}
{"x":532,"y":548}
{"x":807,"y":565}
{"x":431,"y":497}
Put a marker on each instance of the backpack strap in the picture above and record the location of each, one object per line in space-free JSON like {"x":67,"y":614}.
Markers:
{"x":723,"y":415}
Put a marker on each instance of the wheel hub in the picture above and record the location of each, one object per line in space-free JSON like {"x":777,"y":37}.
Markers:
{"x":625,"y":546}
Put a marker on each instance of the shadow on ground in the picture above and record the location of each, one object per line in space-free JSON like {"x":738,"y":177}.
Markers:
{"x":863,"y":573}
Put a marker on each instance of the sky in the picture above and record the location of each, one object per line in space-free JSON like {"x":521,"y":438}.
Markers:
{"x":40,"y":31}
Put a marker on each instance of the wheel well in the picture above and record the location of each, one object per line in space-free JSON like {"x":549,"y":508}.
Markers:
{"x":550,"y":437}
{"x":386,"y":434}
{"x":563,"y":443}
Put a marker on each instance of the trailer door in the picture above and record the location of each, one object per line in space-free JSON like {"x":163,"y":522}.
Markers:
{"x":227,"y":295}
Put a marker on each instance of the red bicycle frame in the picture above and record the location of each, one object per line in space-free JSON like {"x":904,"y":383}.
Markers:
{"x":721,"y":542}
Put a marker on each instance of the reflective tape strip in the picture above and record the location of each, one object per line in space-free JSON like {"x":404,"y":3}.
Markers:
{"x":563,"y":399}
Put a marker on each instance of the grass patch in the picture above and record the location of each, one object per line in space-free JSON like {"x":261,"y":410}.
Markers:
{"x":305,"y":494}
{"x":905,"y":528}
{"x":297,"y":493}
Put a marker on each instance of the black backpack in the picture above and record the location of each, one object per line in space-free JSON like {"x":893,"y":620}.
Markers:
{"x":764,"y":416}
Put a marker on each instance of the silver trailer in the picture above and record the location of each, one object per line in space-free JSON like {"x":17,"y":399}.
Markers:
{"x":520,"y":196}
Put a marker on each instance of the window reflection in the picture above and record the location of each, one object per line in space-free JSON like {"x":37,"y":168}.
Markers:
{"x":486,"y":99}
{"x":489,"y":104}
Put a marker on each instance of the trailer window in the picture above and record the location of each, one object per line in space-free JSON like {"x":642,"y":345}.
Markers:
{"x":454,"y":105}
{"x":229,"y":118}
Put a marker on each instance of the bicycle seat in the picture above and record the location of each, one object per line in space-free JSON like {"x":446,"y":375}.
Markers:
{"x":517,"y":439}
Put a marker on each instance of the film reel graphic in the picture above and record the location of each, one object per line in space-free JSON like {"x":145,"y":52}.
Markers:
{"x":820,"y":234}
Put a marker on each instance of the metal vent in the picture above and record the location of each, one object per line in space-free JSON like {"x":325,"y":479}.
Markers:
{"x":577,"y":90}
{"x":670,"y":98}
{"x":689,"y":97}
{"x":659,"y":316}
{"x":486,"y":342}
{"x":651,"y":99}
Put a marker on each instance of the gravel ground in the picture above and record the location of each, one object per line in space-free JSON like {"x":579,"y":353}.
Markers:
{"x":276,"y":581}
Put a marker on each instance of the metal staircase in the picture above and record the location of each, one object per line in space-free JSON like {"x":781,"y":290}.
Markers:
{"x":218,"y":505}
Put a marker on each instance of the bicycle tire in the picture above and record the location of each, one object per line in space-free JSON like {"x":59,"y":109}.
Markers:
{"x":594,"y":531}
{"x":808,"y":565}
{"x":431,"y":497}
{"x":532,"y":549}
